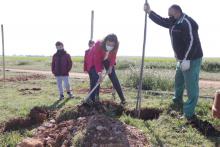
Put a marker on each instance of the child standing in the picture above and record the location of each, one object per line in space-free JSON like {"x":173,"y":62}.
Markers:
{"x":61,"y":66}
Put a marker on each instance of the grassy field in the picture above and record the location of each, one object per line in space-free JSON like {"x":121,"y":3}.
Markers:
{"x":161,"y":70}
{"x":158,"y":69}
{"x":164,"y":131}
{"x":18,"y":98}
{"x":43,"y":63}
{"x":38,"y":63}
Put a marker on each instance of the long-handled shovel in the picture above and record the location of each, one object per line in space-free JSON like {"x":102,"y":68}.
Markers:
{"x":94,"y":88}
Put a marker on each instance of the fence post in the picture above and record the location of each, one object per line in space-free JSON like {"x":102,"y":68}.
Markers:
{"x":3,"y":53}
{"x":92,"y":25}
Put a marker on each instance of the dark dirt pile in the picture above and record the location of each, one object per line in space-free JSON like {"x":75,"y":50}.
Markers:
{"x":58,"y":134}
{"x":106,"y":131}
{"x":89,"y":126}
{"x":36,"y":116}
{"x":96,"y":131}
{"x":105,"y":107}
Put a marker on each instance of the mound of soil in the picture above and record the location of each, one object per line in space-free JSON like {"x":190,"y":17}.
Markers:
{"x":30,"y":142}
{"x":24,"y":78}
{"x":109,"y":108}
{"x":105,"y":131}
{"x":96,"y":130}
{"x":58,"y":134}
{"x":90,"y":126}
{"x":37,"y":116}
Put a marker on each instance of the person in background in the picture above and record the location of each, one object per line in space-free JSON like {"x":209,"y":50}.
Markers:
{"x":103,"y":56}
{"x":86,"y":60}
{"x":86,"y":56}
{"x":61,"y":66}
{"x":188,"y":53}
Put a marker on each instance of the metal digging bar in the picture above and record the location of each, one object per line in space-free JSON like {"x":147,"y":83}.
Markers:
{"x":138,"y":104}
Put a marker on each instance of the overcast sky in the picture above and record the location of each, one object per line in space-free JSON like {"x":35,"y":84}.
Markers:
{"x":32,"y":27}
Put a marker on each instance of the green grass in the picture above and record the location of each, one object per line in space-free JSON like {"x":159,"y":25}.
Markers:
{"x":38,"y":62}
{"x":44,"y":63}
{"x":10,"y":139}
{"x":14,"y":103}
{"x":124,"y":65}
{"x":147,"y":59}
{"x":169,"y":131}
{"x":165,"y":131}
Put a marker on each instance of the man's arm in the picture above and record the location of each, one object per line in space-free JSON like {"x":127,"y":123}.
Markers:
{"x":164,"y":22}
{"x":188,"y":35}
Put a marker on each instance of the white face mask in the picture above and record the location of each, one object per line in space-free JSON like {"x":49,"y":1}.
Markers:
{"x":109,"y":48}
{"x":59,"y":47}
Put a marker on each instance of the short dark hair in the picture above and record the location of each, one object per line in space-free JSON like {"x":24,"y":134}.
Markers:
{"x":58,"y":43}
{"x":177,"y":8}
{"x":91,"y":42}
{"x":111,"y":38}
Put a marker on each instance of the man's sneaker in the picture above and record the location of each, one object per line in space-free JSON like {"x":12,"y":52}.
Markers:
{"x":177,"y":107}
{"x":191,"y":119}
{"x":70,"y":95}
{"x":61,"y":97}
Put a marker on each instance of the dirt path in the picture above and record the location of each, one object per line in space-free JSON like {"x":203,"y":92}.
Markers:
{"x":202,"y":83}
{"x":72,"y":74}
{"x":209,"y":84}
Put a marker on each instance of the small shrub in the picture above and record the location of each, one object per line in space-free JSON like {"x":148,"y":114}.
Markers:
{"x":151,"y":81}
{"x":124,"y":64}
{"x":211,"y":66}
{"x":78,"y":59}
{"x":48,"y":64}
{"x":23,"y":63}
{"x":160,"y":65}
